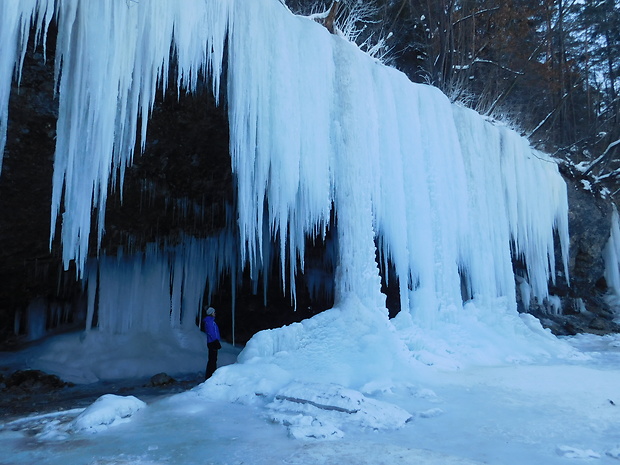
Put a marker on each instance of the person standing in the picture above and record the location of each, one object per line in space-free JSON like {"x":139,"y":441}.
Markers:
{"x":213,"y":340}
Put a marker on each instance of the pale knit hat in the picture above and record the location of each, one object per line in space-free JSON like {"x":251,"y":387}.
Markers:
{"x":210,"y":311}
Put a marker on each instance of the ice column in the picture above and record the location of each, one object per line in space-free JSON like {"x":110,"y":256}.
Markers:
{"x":357,"y":154}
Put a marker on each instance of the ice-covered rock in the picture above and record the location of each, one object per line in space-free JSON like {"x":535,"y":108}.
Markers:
{"x":315,"y":410}
{"x":576,"y":453}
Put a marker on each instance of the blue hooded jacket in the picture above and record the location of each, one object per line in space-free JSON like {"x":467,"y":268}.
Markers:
{"x":210,"y":327}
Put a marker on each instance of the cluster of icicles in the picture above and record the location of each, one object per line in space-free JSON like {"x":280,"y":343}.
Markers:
{"x":315,"y":125}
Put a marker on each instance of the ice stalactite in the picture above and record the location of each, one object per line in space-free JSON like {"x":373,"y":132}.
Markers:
{"x":159,"y":289}
{"x":111,"y":58}
{"x":508,"y":212}
{"x":318,"y":130}
{"x":280,"y":93}
{"x":448,"y":194}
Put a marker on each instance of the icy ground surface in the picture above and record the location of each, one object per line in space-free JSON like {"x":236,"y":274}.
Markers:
{"x":559,"y":411}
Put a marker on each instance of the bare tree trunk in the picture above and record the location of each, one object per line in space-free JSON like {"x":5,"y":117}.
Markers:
{"x":328,"y":22}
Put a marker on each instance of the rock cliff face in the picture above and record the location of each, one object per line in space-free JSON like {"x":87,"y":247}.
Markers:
{"x":27,"y":268}
{"x":186,"y":163}
{"x":589,"y":226}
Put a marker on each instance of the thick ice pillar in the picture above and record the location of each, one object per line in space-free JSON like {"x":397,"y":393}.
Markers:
{"x":357,"y":155}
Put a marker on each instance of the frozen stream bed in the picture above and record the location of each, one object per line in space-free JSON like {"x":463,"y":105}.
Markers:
{"x":557,"y":412}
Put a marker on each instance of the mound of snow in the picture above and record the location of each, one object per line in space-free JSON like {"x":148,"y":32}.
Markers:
{"x":107,"y":411}
{"x":334,"y":345}
{"x":244,"y":383}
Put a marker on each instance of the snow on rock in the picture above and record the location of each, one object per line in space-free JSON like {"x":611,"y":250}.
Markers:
{"x":314,"y":410}
{"x":108,"y":410}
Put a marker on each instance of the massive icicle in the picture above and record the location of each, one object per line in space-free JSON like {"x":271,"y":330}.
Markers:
{"x":315,"y":125}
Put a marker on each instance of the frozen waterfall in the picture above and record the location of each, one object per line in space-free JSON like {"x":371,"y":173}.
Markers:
{"x":316,"y":127}
{"x":611,"y":255}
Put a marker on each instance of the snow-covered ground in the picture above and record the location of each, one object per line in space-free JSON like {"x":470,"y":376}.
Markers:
{"x":315,"y":393}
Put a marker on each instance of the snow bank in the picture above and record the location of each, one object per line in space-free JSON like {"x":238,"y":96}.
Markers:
{"x":479,"y":337}
{"x":333,"y":345}
{"x":93,"y":356}
{"x":351,"y":346}
{"x":322,"y":373}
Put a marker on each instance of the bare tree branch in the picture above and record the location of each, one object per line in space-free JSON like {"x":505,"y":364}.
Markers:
{"x":473,"y":15}
{"x":557,"y":107}
{"x":494,"y":63}
{"x":603,"y":156}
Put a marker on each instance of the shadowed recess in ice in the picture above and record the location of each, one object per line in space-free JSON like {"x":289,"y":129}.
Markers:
{"x":315,"y":125}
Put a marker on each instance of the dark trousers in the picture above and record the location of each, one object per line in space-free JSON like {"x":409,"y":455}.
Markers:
{"x":211,"y":363}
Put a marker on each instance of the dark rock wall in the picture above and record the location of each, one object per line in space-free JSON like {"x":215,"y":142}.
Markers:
{"x":589,"y":219}
{"x":27,"y":268}
{"x":589,"y":222}
{"x":182,"y":183}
